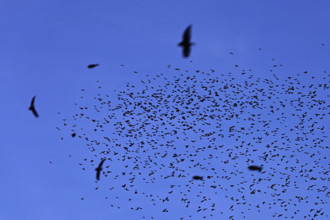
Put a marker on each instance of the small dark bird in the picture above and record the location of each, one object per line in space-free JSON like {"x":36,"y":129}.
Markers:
{"x":32,"y":108}
{"x":99,"y":169}
{"x":185,"y":43}
{"x":197,"y":177}
{"x":253,"y":167}
{"x":91,"y":66}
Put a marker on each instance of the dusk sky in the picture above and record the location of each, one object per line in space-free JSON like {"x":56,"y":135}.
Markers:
{"x":250,"y":46}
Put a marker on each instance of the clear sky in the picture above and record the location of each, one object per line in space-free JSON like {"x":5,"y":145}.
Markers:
{"x":45,"y":47}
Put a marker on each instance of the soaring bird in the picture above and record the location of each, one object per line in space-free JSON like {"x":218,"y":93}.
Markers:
{"x":99,"y":169}
{"x":91,"y":66}
{"x":185,"y":43}
{"x":32,"y":108}
{"x":253,"y":167}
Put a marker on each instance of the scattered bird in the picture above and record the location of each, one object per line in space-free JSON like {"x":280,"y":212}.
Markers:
{"x":99,"y":169}
{"x":197,"y":177}
{"x":185,"y":43}
{"x":32,"y":108}
{"x":253,"y":168}
{"x":91,"y":66}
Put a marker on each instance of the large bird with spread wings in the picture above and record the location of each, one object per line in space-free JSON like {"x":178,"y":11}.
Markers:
{"x":186,"y":43}
{"x":99,"y":169}
{"x":32,"y":108}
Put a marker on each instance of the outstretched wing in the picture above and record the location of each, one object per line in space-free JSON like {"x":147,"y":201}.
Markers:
{"x":98,"y":174}
{"x":186,"y":35}
{"x":32,"y":102}
{"x":101,"y":164}
{"x":34,"y":112}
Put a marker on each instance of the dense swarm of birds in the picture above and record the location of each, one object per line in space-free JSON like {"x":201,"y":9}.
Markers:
{"x":200,"y":136}
{"x":195,"y":140}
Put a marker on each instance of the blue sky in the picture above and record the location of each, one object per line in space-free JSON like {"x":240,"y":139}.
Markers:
{"x":45,"y":49}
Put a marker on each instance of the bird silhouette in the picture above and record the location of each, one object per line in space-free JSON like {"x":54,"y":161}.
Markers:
{"x":91,"y":66}
{"x":99,"y":169}
{"x":185,"y":43}
{"x":32,"y":108}
{"x":253,"y":167}
{"x":197,"y":177}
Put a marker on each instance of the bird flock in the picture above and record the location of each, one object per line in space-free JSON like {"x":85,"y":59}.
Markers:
{"x":219,"y":145}
{"x":201,"y":137}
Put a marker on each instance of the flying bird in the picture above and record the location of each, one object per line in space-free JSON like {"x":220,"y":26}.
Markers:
{"x":185,"y":43}
{"x":32,"y":108}
{"x":91,"y":66}
{"x":253,"y":167}
{"x":99,"y":169}
{"x":197,"y":177}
